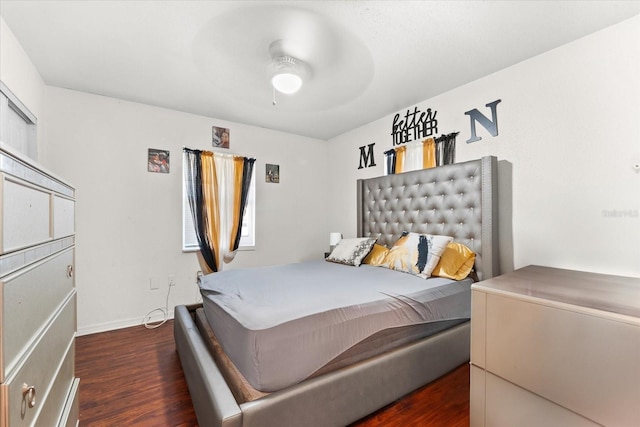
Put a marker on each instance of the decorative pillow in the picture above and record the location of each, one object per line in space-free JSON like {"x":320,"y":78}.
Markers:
{"x":376,"y":256}
{"x":416,"y":254}
{"x":351,"y":251}
{"x":455,"y":263}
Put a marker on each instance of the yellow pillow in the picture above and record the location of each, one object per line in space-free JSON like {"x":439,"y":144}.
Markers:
{"x":456,"y":262}
{"x":376,"y":256}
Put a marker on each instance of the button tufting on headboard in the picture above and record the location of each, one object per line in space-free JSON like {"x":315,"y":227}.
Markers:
{"x":457,"y":200}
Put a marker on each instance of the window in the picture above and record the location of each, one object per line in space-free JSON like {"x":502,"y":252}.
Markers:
{"x":247,"y":238}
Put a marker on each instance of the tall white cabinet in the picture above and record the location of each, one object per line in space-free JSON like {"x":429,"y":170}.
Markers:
{"x":38,"y":386}
{"x":553,"y":347}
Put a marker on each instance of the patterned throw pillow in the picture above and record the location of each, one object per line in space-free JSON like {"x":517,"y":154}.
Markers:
{"x":351,"y":251}
{"x":456,"y":262}
{"x":416,"y":254}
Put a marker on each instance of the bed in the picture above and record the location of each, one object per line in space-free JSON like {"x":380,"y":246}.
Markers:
{"x":458,"y":200}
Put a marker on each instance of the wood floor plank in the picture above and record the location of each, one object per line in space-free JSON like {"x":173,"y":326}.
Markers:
{"x":442,"y":403}
{"x":133,"y":377}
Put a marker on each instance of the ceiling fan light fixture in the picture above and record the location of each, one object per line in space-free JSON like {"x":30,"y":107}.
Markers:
{"x":287,"y":76}
{"x":287,"y":83}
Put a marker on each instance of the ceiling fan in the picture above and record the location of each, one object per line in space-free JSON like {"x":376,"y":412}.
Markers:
{"x":254,"y":51}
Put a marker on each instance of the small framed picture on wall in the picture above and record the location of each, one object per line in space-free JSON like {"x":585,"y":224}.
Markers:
{"x":220,"y":137}
{"x":272,"y":173}
{"x":158,"y":161}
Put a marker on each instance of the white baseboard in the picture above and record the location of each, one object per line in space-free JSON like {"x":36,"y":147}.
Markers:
{"x":121,"y":324}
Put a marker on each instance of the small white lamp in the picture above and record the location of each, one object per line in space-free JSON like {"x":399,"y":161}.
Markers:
{"x":334,"y":238}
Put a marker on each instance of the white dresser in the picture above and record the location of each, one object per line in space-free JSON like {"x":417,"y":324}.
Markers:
{"x":552,"y":347}
{"x":37,"y":296}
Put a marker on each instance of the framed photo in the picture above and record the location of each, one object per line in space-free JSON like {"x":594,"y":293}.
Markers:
{"x":272,"y":173}
{"x":158,"y":161}
{"x":220,"y":137}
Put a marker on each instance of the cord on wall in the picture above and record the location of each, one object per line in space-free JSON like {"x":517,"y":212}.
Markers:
{"x":165,"y":314}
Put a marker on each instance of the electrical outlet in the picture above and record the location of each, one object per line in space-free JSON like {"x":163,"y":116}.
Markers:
{"x":172,"y":280}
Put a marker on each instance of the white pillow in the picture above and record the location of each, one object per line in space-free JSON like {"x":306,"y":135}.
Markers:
{"x":351,"y":251}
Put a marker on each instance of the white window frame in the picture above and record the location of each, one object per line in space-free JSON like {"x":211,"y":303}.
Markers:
{"x":248,"y":236}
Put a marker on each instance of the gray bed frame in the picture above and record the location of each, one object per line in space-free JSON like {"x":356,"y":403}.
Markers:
{"x":458,"y":200}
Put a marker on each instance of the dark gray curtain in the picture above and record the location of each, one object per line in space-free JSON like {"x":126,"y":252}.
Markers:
{"x":247,"y":172}
{"x":446,"y":149}
{"x":198,"y":207}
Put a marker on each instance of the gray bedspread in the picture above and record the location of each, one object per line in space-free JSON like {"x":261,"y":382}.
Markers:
{"x":280,"y":324}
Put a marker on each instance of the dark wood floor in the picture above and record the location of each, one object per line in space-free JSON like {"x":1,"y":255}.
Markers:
{"x":132,"y":377}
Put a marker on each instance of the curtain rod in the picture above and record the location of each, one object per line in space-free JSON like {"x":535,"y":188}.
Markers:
{"x":437,"y":140}
{"x":217,"y":153}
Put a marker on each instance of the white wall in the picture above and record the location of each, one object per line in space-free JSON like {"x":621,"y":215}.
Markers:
{"x":569,"y":133}
{"x":19,"y":74}
{"x":128,"y":220}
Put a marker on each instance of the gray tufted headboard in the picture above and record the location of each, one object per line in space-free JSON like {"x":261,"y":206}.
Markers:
{"x":458,"y":200}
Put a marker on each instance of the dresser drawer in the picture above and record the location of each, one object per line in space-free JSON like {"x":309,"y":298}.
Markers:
{"x":71,"y":411}
{"x":40,"y":371}
{"x":53,"y":408}
{"x":63,"y":217}
{"x":586,"y":362}
{"x":25,"y":214}
{"x":28,"y":299}
{"x":508,"y":405}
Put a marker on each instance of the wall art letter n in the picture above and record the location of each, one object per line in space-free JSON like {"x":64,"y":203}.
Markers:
{"x":490,"y":125}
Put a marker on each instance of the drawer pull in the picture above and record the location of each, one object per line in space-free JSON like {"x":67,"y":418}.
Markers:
{"x":70,"y":271}
{"x":29,"y":394}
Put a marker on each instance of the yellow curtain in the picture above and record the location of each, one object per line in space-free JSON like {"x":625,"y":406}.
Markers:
{"x":400,"y":155}
{"x":428,"y":153}
{"x":211,"y":196}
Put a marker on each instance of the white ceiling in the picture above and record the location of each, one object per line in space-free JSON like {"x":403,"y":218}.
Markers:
{"x":368,"y":58}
